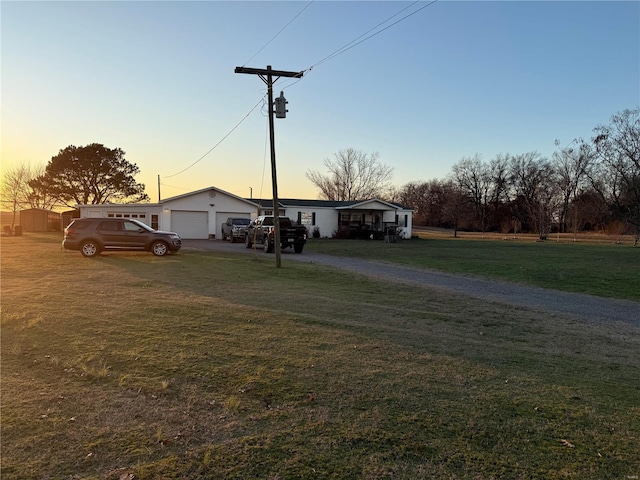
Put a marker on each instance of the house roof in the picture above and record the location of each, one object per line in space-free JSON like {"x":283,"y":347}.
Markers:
{"x":336,"y":204}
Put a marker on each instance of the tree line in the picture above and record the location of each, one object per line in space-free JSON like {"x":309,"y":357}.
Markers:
{"x":586,"y":185}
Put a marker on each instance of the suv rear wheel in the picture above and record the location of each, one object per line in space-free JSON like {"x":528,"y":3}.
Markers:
{"x":90,"y":248}
{"x":159,"y":248}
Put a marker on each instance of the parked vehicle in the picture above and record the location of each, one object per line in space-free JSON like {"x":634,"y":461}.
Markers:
{"x":261,"y":230}
{"x":93,"y":235}
{"x":234,"y":228}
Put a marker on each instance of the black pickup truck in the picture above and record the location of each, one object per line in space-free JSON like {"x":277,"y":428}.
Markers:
{"x":261,"y":231}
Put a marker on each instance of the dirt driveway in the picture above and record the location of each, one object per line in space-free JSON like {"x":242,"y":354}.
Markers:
{"x":586,"y":307}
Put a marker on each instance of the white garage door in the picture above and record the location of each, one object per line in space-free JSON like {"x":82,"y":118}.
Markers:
{"x":190,"y":224}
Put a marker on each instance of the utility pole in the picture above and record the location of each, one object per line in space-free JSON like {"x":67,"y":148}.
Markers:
{"x":267,"y":77}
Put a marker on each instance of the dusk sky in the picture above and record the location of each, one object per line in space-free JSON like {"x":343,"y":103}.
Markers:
{"x":456,"y":78}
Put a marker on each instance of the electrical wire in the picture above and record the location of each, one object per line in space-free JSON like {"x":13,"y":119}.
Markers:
{"x":281,"y":30}
{"x":221,"y":140}
{"x":358,"y":40}
{"x":177,"y":188}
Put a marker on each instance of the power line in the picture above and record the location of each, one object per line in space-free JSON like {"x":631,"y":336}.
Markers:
{"x":221,"y":140}
{"x":359,"y":40}
{"x":281,"y":30}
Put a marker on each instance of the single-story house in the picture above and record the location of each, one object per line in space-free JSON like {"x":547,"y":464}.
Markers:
{"x":200,"y":214}
{"x":39,"y":220}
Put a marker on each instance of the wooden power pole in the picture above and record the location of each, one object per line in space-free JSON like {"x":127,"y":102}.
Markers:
{"x":267,"y":77}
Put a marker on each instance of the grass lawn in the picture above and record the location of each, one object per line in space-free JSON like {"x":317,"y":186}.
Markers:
{"x":606,"y":270}
{"x":218,"y":366}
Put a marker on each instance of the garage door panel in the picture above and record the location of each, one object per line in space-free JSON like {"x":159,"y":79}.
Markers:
{"x":190,"y":224}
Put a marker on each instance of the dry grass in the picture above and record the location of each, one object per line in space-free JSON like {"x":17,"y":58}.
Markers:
{"x":205,"y":365}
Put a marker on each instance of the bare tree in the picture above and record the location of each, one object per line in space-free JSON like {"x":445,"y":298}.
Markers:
{"x":415,"y":195}
{"x":571,"y":167}
{"x":17,"y":193}
{"x":616,"y":148}
{"x":13,"y":190}
{"x":473,"y":178}
{"x":352,"y":175}
{"x":455,"y":205}
{"x":535,"y":189}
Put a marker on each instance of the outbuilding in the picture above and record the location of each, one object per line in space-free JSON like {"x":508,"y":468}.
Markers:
{"x":39,"y":220}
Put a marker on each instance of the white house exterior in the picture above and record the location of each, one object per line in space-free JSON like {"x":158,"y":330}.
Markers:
{"x":332,"y":218}
{"x":200,"y":214}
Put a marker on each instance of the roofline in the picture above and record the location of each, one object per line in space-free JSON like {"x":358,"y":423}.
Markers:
{"x":298,"y":202}
{"x":83,"y":205}
{"x":207,"y":189}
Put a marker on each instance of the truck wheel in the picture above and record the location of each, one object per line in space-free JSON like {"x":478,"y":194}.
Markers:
{"x":247,"y":241}
{"x":298,"y":247}
{"x":267,"y":244}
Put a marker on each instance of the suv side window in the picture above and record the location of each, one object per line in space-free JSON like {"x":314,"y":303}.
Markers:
{"x":108,"y":226}
{"x":130,"y":227}
{"x":80,"y":224}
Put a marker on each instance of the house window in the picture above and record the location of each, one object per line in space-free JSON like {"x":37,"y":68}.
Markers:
{"x":154,"y":222}
{"x":306,"y":218}
{"x":126,"y":215}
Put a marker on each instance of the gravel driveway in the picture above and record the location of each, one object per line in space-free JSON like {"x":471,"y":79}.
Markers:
{"x":587,"y":307}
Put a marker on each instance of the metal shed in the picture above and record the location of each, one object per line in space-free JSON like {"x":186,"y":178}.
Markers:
{"x":39,"y":220}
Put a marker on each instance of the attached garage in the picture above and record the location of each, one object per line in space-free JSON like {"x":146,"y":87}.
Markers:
{"x":190,"y":224}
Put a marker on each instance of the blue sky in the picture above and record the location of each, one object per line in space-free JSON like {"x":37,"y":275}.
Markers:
{"x":457,"y":78}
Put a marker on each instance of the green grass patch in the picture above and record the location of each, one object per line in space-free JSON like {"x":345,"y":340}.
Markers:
{"x":605,"y":270}
{"x":217,"y":365}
